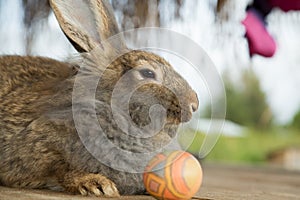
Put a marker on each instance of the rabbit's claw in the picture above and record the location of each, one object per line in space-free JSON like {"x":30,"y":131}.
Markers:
{"x":94,"y":184}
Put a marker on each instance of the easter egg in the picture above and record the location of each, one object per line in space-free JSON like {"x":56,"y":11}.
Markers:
{"x":173,"y":175}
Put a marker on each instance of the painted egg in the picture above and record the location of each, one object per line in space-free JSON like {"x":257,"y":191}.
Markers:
{"x":173,"y":175}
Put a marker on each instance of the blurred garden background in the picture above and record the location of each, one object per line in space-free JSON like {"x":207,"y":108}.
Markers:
{"x":262,"y":124}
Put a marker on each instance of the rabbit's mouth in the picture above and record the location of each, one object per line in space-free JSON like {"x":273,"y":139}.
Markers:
{"x":181,"y":117}
{"x":175,"y":111}
{"x":140,"y":114}
{"x":178,"y":114}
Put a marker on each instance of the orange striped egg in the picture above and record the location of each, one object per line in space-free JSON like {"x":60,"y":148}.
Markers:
{"x":173,"y":175}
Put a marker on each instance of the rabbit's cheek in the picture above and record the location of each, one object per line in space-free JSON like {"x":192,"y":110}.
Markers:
{"x":139,"y":113}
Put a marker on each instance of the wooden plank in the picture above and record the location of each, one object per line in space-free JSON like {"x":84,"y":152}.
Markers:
{"x":220,"y":182}
{"x":23,"y":194}
{"x":231,"y":182}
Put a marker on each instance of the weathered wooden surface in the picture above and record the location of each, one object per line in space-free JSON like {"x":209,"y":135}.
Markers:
{"x":220,"y":182}
{"x":250,"y":183}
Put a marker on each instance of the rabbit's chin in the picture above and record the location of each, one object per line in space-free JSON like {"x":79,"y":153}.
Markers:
{"x":171,"y":129}
{"x":186,"y":116}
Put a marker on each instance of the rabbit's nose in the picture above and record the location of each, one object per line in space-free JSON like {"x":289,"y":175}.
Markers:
{"x":194,"y":107}
{"x":194,"y":102}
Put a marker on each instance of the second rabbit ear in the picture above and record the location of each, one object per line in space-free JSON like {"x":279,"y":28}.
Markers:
{"x":86,"y":22}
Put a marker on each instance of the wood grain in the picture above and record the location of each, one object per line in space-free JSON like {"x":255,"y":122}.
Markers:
{"x":220,"y":182}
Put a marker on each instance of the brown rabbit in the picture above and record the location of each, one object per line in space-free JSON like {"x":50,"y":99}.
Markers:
{"x":43,"y":100}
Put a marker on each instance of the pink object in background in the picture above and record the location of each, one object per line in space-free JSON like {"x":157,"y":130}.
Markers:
{"x":259,"y":40}
{"x":285,"y":5}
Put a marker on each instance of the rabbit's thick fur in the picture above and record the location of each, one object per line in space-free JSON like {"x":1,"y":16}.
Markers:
{"x":39,"y":144}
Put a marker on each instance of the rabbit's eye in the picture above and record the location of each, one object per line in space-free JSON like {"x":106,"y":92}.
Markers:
{"x":147,"y":73}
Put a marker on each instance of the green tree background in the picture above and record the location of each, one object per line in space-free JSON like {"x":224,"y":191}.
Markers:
{"x":296,"y":121}
{"x":246,"y":102}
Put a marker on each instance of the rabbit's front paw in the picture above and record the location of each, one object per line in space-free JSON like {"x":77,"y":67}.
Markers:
{"x":90,"y":184}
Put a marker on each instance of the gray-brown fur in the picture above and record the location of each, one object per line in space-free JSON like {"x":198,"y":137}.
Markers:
{"x":39,"y":144}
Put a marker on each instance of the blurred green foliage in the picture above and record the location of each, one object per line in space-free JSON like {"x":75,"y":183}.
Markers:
{"x":254,"y":147}
{"x":296,"y":121}
{"x":246,"y":102}
{"x":191,"y":141}
{"x":246,"y":105}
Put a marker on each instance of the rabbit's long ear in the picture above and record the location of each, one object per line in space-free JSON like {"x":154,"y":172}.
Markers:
{"x":86,"y":22}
